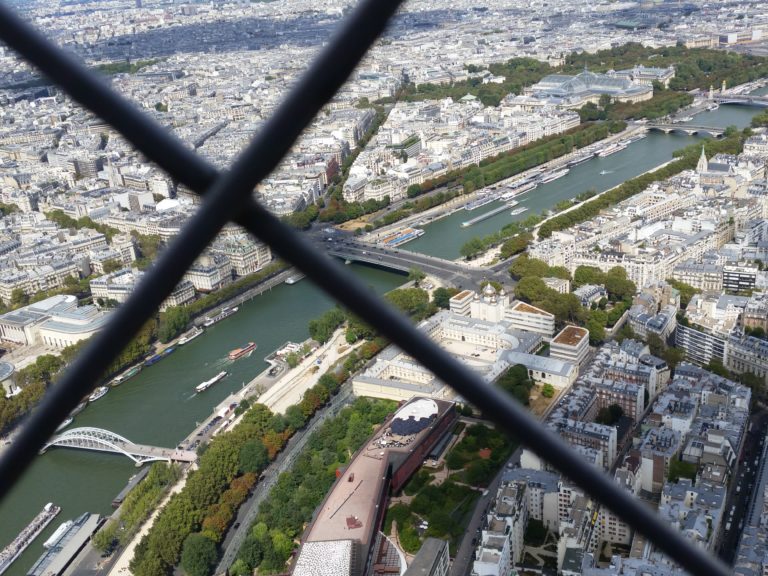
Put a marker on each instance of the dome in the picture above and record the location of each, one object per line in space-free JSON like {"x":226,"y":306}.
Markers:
{"x":489,"y":290}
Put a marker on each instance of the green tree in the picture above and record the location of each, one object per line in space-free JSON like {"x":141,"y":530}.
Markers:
{"x":587,"y":275}
{"x":656,"y":345}
{"x":105,"y":538}
{"x":253,"y":456}
{"x":531,"y":289}
{"x":618,"y":285}
{"x":441,"y":296}
{"x":172,"y":322}
{"x":673,"y":356}
{"x":198,"y":555}
{"x":516,"y":244}
{"x":717,"y":367}
{"x":292,"y":359}
{"x":472,"y":247}
{"x":295,"y":417}
{"x":111,"y":266}
{"x":19,"y":298}
{"x":609,"y":415}
{"x":525,"y":266}
{"x":548,"y":391}
{"x":416,"y":275}
{"x":596,"y":330}
{"x":321,"y":329}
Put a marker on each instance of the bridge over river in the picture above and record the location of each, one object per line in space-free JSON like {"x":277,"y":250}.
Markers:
{"x":690,"y":129}
{"x":106,"y":441}
{"x":743,"y":99}
{"x":453,"y":273}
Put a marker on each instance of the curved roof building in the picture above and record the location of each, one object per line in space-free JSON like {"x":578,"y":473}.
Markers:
{"x":588,"y":87}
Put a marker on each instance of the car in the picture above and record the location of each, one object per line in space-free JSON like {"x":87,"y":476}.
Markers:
{"x":237,"y":525}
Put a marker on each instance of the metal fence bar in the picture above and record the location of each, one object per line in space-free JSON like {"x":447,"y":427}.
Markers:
{"x":229,"y":196}
{"x":234,"y":188}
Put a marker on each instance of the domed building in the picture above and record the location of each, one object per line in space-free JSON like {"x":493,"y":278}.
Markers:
{"x":491,"y":306}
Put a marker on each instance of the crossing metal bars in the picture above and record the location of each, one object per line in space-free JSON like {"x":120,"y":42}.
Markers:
{"x":228,"y":196}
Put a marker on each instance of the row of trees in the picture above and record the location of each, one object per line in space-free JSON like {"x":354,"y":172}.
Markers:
{"x":465,"y":180}
{"x":662,"y":104}
{"x":413,"y":302}
{"x":492,"y":170}
{"x":137,"y":507}
{"x":414,"y":207}
{"x":226,"y":472}
{"x":687,"y":159}
{"x":292,"y":501}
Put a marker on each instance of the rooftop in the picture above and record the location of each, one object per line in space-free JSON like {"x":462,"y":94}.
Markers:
{"x":349,"y":510}
{"x":571,"y":336}
{"x":521,"y":306}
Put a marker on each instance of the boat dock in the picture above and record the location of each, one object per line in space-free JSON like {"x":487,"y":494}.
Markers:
{"x":11,"y":552}
{"x":59,"y":556}
{"x":402,"y":236}
{"x":484,"y":216}
{"x":132,"y":483}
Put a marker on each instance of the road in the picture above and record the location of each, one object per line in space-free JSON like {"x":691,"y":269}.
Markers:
{"x":453,"y":273}
{"x":741,"y":487}
{"x":284,"y":461}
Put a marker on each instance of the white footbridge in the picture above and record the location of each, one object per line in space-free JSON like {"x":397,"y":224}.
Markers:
{"x":106,"y":441}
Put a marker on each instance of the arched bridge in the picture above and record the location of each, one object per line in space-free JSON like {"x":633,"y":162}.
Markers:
{"x":106,"y":441}
{"x":689,"y":129}
{"x":743,"y":99}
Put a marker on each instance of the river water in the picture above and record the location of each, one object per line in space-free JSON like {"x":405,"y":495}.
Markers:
{"x":159,"y":407}
{"x":445,"y":237}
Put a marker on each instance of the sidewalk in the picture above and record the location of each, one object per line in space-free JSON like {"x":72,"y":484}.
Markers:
{"x":121,"y":566}
{"x":291,"y":388}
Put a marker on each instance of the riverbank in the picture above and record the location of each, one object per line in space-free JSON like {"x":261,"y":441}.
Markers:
{"x":596,"y":196}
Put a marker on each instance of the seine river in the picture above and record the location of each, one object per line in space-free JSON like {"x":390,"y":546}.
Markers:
{"x":158,"y":406}
{"x":445,"y":237}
